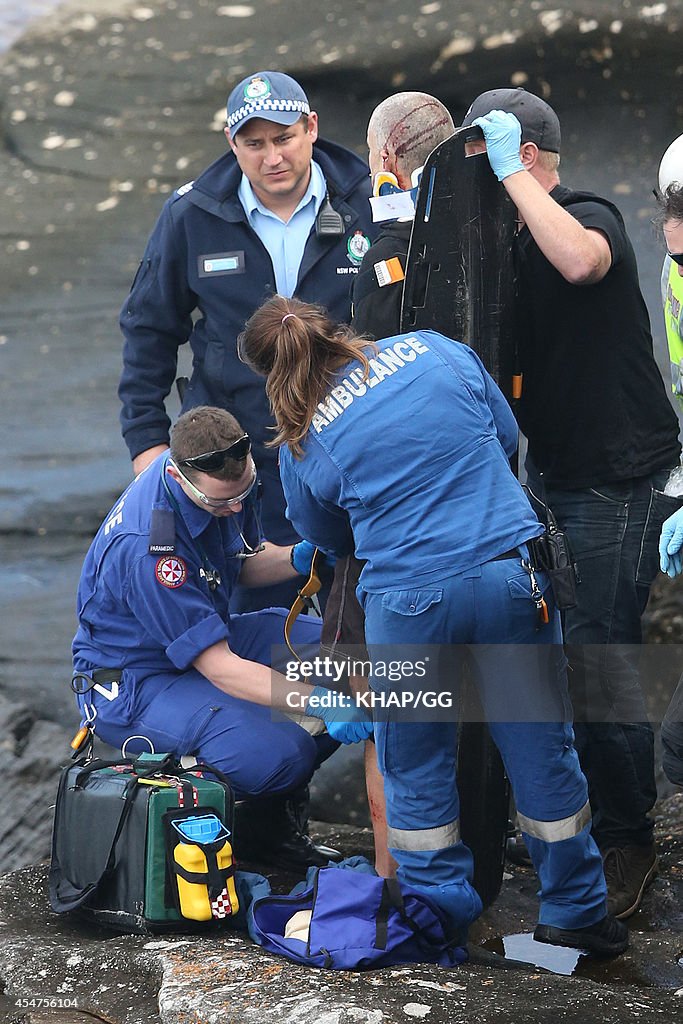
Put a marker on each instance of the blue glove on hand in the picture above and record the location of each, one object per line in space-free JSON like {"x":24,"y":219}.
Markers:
{"x":670,"y":544}
{"x":301,"y":557}
{"x":345,"y":721}
{"x":503,"y":135}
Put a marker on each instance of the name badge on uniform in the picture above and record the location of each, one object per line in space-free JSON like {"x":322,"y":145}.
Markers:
{"x":218,"y":264}
{"x":162,"y":532}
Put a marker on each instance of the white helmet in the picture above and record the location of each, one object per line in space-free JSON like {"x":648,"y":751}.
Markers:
{"x":671,"y":166}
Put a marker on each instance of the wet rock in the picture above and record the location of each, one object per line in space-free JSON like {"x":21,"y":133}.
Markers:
{"x":184,"y":979}
{"x":338,"y":788}
{"x":105,"y":112}
{"x":32,"y":750}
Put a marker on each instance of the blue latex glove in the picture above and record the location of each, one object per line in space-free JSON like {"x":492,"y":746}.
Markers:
{"x":503,"y":135}
{"x":670,"y":544}
{"x":302,"y":556}
{"x":345,"y":721}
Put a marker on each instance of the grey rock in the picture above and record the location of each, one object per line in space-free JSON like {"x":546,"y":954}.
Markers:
{"x":182,"y":979}
{"x":32,"y":751}
{"x":338,"y":788}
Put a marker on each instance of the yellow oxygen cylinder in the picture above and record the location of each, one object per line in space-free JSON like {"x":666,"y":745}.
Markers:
{"x":193,"y":896}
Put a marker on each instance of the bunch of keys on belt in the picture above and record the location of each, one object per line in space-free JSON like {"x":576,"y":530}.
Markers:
{"x":536,"y":595}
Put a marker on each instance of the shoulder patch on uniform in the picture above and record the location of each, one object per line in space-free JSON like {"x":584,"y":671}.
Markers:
{"x":171,"y":572}
{"x":187,"y":187}
{"x":389,"y":271}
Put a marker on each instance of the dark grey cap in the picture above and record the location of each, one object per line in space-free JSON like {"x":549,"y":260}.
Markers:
{"x":539,"y":121}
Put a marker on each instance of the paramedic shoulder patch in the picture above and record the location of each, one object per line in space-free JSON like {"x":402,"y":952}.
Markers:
{"x":389,"y":271}
{"x":171,"y":572}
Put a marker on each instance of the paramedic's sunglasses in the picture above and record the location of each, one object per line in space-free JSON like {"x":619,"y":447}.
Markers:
{"x":219,"y":503}
{"x":211,"y":462}
{"x":677,"y":257}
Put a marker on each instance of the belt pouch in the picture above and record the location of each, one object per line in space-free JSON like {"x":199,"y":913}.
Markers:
{"x":550,"y":553}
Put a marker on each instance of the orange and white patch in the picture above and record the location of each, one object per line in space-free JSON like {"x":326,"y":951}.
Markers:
{"x":389,"y":271}
{"x":171,"y":572}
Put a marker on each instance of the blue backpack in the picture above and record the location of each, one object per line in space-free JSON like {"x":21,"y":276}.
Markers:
{"x":357,"y":921}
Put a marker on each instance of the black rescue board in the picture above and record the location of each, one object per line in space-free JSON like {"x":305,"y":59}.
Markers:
{"x":460,"y":277}
{"x":460,"y":281}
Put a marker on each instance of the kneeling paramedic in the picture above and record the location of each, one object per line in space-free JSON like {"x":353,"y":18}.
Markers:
{"x":160,"y":663}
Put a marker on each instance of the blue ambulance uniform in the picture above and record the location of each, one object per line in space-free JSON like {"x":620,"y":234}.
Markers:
{"x":149,"y":615}
{"x":204,"y":256}
{"x":416,"y":459}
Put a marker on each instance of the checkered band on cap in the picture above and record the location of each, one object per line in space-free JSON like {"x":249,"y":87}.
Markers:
{"x":269,"y":103}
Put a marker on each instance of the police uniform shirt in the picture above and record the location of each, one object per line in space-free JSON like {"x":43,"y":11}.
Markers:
{"x":285,"y":240}
{"x":203,"y":256}
{"x":155,"y":610}
{"x":418,"y":456}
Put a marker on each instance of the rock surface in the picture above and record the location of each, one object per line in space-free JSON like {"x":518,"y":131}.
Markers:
{"x":189,"y":980}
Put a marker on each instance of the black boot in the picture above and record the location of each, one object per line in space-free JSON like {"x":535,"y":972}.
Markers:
{"x":608,"y":937}
{"x":274,"y":830}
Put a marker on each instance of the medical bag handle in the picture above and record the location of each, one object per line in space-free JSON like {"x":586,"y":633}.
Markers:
{"x":95,"y":764}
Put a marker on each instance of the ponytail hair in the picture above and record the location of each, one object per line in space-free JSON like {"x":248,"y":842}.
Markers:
{"x":299,"y":351}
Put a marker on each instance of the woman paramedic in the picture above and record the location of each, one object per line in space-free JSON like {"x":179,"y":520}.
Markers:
{"x":401,"y":449}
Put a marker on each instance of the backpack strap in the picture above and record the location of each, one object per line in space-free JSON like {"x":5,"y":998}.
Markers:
{"x":392,"y":898}
{"x":214,"y":878}
{"x":64,"y":895}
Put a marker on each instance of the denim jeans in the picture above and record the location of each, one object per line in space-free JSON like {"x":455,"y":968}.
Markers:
{"x":613,"y":530}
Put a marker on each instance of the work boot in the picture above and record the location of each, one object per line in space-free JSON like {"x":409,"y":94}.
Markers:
{"x":608,"y":937}
{"x":628,"y":872}
{"x":274,"y":830}
{"x":299,"y":842}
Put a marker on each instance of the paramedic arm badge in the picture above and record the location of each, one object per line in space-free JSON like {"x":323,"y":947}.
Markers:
{"x":162,"y":532}
{"x":171,"y":572}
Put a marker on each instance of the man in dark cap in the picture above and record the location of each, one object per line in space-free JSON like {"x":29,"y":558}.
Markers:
{"x":283,"y":211}
{"x":602,"y":439}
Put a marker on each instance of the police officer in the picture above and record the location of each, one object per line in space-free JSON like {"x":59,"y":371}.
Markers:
{"x":159,"y":660}
{"x":428,"y":497}
{"x":284,"y":211}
